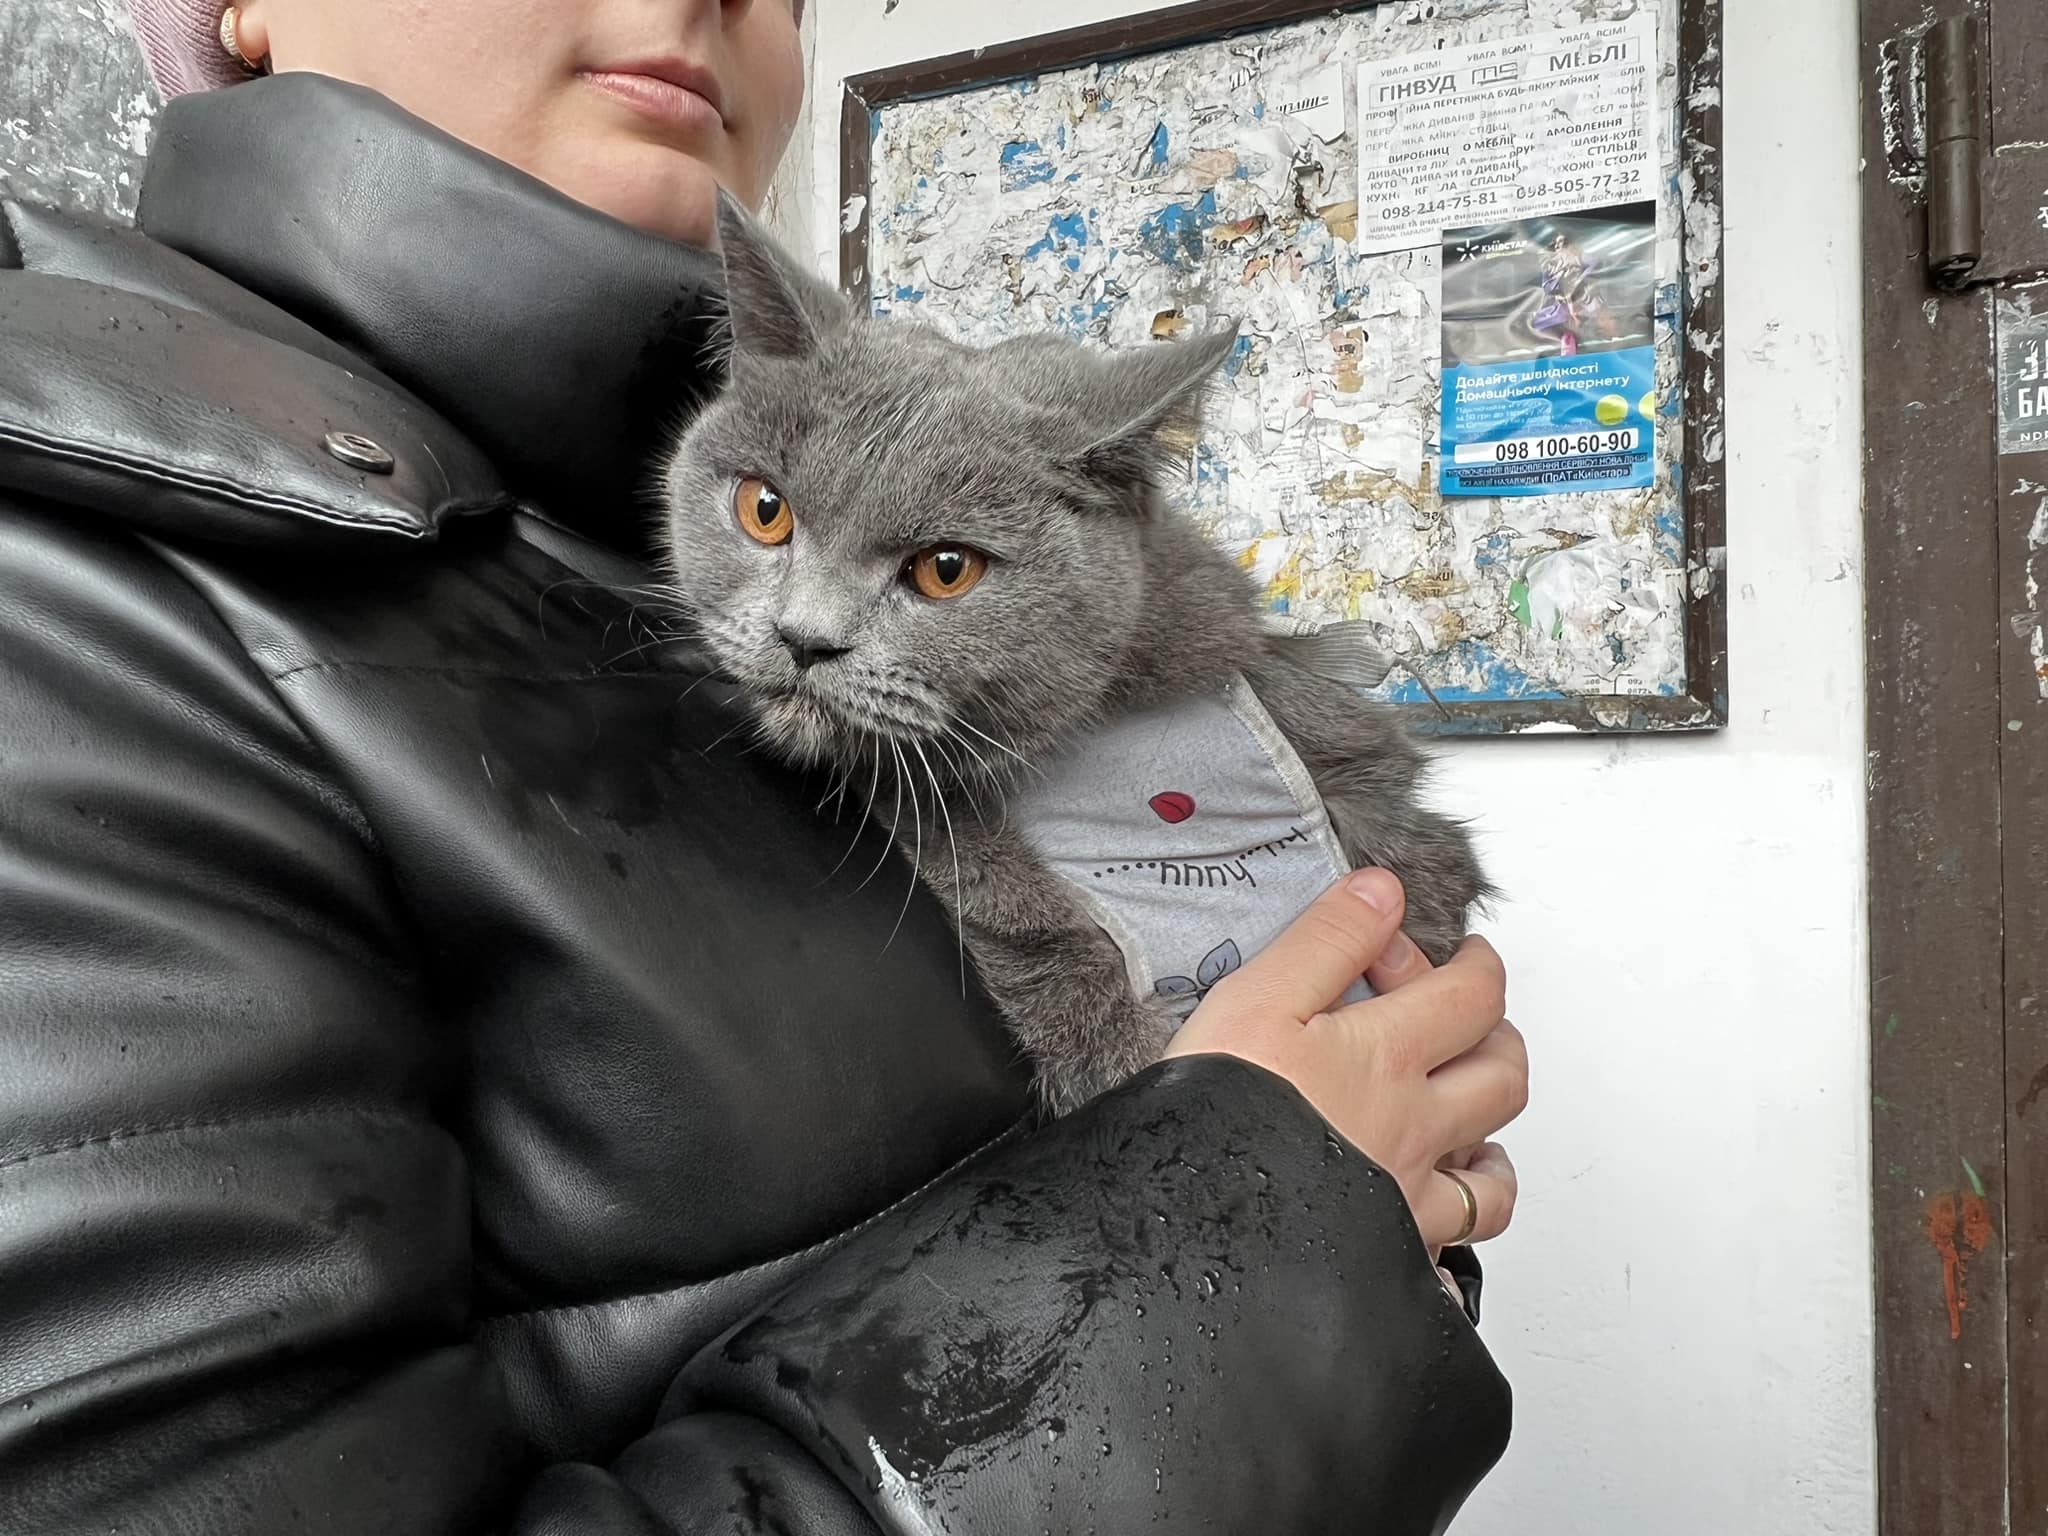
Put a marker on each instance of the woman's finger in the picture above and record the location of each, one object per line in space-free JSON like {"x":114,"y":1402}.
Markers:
{"x":1401,"y":962}
{"x":1491,"y":1159}
{"x":1440,"y":1209}
{"x":1439,"y":1015}
{"x":1460,"y":1159}
{"x":1320,"y":954}
{"x":1494,"y":1169}
{"x":1484,"y":1089}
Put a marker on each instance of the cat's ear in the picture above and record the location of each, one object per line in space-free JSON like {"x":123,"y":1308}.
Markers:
{"x":776,"y":308}
{"x":1157,"y":392}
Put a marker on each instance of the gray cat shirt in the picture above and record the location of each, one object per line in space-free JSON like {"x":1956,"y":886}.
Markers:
{"x":1193,"y":834}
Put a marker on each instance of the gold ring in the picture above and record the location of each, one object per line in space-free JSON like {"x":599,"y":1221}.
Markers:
{"x":1471,"y":1207}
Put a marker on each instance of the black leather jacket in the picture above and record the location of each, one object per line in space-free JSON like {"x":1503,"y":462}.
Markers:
{"x":444,"y":1083}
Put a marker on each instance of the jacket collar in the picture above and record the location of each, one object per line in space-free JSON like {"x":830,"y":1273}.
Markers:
{"x":565,"y":344}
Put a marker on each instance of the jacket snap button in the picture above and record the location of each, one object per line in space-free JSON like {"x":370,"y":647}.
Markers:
{"x":359,"y":453}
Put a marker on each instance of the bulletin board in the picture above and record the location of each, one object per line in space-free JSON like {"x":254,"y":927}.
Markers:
{"x":1473,"y":248}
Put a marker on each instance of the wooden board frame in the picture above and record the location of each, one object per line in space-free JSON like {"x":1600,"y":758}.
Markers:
{"x":1705,"y":705}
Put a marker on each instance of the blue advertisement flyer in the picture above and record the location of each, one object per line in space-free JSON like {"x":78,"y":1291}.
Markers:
{"x":1549,"y":358}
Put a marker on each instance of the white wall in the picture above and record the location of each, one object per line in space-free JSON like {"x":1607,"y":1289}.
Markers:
{"x":1684,"y":1304}
{"x":794,"y":191}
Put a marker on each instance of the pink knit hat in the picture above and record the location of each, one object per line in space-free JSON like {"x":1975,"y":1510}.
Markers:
{"x":181,"y":44}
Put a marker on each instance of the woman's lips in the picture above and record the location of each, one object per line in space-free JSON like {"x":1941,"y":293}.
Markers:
{"x":667,"y":100}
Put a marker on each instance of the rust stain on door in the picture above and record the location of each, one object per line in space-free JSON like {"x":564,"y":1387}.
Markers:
{"x":1959,"y":1227}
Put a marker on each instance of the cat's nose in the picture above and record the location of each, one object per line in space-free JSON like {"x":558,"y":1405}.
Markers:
{"x":808,"y":650}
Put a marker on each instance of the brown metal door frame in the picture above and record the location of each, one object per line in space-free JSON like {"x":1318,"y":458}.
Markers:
{"x":1958,"y":787}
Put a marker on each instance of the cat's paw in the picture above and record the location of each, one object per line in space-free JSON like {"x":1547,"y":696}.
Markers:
{"x":1439,"y":916}
{"x":1437,"y":936}
{"x":1129,"y":1039}
{"x":1443,"y":883}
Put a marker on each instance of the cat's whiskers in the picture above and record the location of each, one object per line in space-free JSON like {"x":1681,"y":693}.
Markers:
{"x":997,"y":790}
{"x":895,"y":821}
{"x":917,"y":857}
{"x":952,"y":775}
{"x":727,"y":735}
{"x":867,"y":811}
{"x":656,"y":638}
{"x":658,"y":594}
{"x":1001,"y":746}
{"x":957,"y":769}
{"x":995,"y":782}
{"x":842,"y":776}
{"x":1011,"y":742}
{"x":698,"y":682}
{"x":959,"y":901}
{"x":906,"y":707}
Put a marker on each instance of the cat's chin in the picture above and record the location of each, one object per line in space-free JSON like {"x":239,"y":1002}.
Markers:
{"x":803,"y":731}
{"x":810,"y":734}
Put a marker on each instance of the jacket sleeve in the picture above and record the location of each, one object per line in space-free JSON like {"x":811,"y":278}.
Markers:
{"x":1188,"y":1306}
{"x":234,"y":1263}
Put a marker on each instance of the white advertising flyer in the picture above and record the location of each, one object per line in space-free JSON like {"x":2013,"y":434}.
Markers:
{"x":1511,"y":129}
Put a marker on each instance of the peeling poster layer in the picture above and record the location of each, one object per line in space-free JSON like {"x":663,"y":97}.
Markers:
{"x":76,"y":106}
{"x":1137,"y":200}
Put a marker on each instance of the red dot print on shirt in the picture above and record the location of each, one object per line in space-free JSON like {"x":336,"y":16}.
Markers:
{"x":1173,"y":806}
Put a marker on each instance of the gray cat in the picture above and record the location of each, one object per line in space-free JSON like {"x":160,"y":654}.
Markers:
{"x":928,"y":567}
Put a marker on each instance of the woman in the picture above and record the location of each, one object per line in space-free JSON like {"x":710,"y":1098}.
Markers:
{"x":446,"y":1086}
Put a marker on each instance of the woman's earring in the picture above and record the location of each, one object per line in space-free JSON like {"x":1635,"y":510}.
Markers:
{"x":231,"y":40}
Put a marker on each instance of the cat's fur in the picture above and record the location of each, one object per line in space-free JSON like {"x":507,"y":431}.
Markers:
{"x":886,"y":438}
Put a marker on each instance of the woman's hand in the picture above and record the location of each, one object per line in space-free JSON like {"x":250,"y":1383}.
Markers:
{"x":1418,"y":1078}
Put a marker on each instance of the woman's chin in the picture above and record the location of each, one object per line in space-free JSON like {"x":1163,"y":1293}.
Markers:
{"x":653,"y":187}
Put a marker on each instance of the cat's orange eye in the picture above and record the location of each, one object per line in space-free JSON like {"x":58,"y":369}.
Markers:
{"x":763,"y":514}
{"x":947,"y":571}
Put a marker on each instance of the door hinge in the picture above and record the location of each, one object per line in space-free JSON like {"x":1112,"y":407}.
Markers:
{"x":1955,"y":151}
